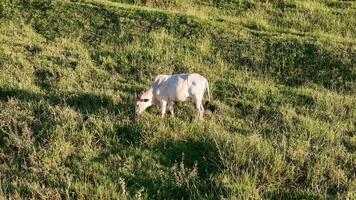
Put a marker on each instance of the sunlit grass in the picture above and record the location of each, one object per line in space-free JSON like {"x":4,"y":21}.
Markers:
{"x":280,"y":124}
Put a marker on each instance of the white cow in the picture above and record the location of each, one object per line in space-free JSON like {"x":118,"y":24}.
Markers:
{"x":167,"y":89}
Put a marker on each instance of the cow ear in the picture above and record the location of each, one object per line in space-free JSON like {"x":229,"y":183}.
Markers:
{"x":146,"y":100}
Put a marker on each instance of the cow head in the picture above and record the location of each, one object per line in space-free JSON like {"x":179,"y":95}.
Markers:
{"x":142,"y":103}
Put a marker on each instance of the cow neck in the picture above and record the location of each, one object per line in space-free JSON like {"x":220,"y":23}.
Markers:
{"x":148,"y":94}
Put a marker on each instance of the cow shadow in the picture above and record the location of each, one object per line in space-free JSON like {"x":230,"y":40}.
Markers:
{"x":83,"y":102}
{"x":23,"y":95}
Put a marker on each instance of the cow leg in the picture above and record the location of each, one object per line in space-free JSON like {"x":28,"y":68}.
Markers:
{"x":170,"y":107}
{"x":201,"y":111}
{"x":163,"y":108}
{"x":198,"y":107}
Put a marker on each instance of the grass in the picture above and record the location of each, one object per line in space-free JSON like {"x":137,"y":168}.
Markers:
{"x":280,"y":125}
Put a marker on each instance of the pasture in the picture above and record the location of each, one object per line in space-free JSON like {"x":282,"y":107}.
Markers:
{"x":280,"y":125}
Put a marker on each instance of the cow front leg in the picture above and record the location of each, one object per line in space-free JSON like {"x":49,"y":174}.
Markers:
{"x":163,"y":108}
{"x":170,"y":108}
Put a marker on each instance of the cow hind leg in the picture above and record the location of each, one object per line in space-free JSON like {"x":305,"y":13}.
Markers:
{"x":199,"y":115}
{"x":170,"y":108}
{"x":201,"y":111}
{"x":163,"y":108}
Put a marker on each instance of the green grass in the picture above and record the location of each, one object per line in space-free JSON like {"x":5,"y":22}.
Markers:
{"x":281,"y":124}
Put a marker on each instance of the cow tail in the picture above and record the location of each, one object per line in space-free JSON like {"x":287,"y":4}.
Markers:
{"x":208,"y":91}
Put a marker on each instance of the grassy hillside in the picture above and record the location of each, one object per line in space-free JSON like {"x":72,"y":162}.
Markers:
{"x":281,"y":124}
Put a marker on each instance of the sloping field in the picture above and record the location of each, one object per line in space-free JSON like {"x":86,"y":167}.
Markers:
{"x":281,"y":124}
